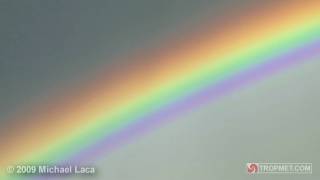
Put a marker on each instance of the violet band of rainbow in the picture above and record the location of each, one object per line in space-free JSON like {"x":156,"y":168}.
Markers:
{"x":211,"y":93}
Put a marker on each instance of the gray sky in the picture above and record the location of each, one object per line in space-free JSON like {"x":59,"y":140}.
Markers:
{"x":48,"y":45}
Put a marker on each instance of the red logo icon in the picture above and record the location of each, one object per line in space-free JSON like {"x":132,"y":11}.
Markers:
{"x":252,"y":168}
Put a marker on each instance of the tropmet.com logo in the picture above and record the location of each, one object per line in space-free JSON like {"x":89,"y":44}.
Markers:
{"x":279,"y":168}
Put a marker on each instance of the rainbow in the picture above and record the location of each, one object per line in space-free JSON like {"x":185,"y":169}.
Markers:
{"x":114,"y":108}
